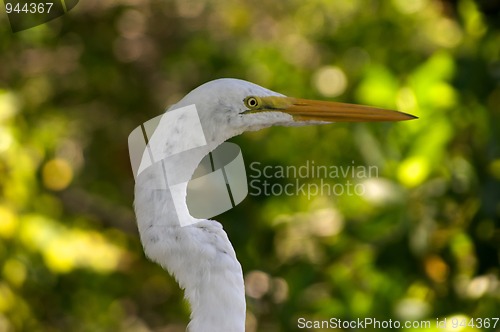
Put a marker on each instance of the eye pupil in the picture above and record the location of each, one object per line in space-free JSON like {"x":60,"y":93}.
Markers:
{"x":252,"y":102}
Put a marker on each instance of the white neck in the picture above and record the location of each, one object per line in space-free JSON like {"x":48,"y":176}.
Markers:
{"x":200,"y":256}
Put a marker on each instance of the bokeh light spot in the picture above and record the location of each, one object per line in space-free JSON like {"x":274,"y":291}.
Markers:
{"x":436,"y":268}
{"x":299,"y":51}
{"x":406,"y":100}
{"x":330,"y":81}
{"x":81,"y":249}
{"x":131,"y":24}
{"x":327,"y":222}
{"x":446,"y":33}
{"x":494,"y":168}
{"x":190,"y":8}
{"x":378,"y":88}
{"x":9,"y":105}
{"x":8,"y":222}
{"x":381,"y":191}
{"x":14,"y":271}
{"x":257,"y":284}
{"x":412,"y":309}
{"x":7,"y":298}
{"x":478,"y":287}
{"x":413,"y":171}
{"x":280,"y":290}
{"x":442,"y":95}
{"x":5,"y":139}
{"x":410,"y":7}
{"x":57,"y":174}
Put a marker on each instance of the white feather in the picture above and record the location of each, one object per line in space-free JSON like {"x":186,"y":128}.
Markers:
{"x":200,"y":256}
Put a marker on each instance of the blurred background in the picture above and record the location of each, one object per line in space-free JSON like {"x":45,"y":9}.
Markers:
{"x":422,"y":241}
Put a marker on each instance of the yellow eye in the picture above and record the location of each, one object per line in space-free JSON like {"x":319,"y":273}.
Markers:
{"x":252,"y":102}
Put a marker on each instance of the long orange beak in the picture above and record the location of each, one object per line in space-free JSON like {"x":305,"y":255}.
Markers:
{"x":328,"y":111}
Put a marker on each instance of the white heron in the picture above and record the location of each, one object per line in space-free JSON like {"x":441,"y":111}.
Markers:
{"x":200,"y":255}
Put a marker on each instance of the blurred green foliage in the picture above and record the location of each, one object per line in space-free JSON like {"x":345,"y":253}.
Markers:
{"x":421,"y":243}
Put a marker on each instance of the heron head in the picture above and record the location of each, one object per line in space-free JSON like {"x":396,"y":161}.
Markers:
{"x":306,"y":110}
{"x":228,"y":107}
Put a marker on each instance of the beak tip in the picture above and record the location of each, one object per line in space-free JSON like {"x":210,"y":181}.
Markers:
{"x":411,"y":116}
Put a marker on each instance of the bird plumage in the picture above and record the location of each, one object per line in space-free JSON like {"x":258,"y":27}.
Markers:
{"x":200,"y":256}
{"x":198,"y":253}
